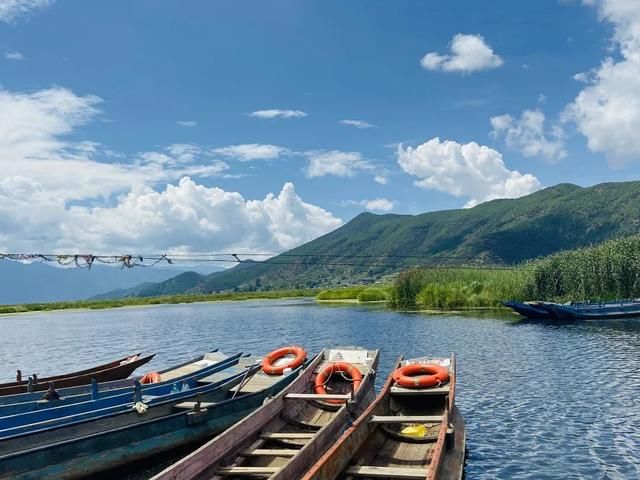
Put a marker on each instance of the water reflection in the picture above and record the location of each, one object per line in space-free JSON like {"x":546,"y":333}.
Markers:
{"x":541,"y":400}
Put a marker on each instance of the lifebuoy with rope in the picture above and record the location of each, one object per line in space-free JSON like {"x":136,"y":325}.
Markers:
{"x":151,"y":377}
{"x":418,"y":375}
{"x":337,"y":367}
{"x":268,"y":366}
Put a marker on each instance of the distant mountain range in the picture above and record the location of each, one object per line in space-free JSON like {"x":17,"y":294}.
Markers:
{"x":37,"y":282}
{"x":505,"y":231}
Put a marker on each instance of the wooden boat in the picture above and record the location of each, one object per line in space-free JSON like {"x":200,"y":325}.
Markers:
{"x":29,"y":402}
{"x":406,"y":433}
{"x":597,"y":311}
{"x":282,"y":438}
{"x":117,"y":399}
{"x":87,"y":447}
{"x":115,"y":370}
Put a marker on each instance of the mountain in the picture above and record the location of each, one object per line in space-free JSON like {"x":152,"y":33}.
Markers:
{"x":504,"y":231}
{"x":178,"y":284}
{"x":38,"y":282}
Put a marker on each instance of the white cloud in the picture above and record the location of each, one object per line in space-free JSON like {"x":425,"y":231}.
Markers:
{"x":14,"y":56}
{"x":58,"y":195}
{"x":277,"y":113}
{"x":464,"y":170}
{"x":469,"y":53}
{"x":375,"y":205}
{"x":335,"y":162}
{"x":607,"y":110}
{"x":528,"y":135}
{"x":10,"y":10}
{"x":251,"y":151}
{"x":381,"y":179}
{"x":187,"y":123}
{"x":358,"y":123}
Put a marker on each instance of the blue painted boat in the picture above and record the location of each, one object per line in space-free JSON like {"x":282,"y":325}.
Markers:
{"x":597,"y":311}
{"x":538,"y":310}
{"x":122,"y":399}
{"x":90,"y":446}
{"x":29,"y":402}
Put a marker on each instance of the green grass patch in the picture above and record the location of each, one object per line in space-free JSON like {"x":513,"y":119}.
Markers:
{"x":168,"y":299}
{"x":360,"y":293}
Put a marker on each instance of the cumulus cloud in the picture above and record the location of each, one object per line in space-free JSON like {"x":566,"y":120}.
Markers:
{"x":335,"y":162}
{"x":528,"y":135}
{"x":251,"y":151}
{"x":607,"y":110}
{"x":358,"y":124}
{"x":381,"y":179}
{"x":277,"y":113}
{"x":58,"y":195}
{"x":375,"y":205}
{"x":187,"y":123}
{"x":13,"y":56}
{"x":464,"y":170}
{"x":10,"y":10}
{"x":469,"y":53}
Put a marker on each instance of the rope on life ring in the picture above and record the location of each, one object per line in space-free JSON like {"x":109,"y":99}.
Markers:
{"x":268,"y":366}
{"x":151,"y":377}
{"x":417,"y":375}
{"x":337,"y":367}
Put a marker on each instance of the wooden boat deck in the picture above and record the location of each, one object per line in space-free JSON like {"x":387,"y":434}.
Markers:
{"x":380,"y":444}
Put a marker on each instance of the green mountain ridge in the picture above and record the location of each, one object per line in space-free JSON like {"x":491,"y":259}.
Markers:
{"x":497,"y":232}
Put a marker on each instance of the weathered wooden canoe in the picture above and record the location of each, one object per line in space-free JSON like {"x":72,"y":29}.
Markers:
{"x":28,"y":402}
{"x":87,"y":447}
{"x":406,"y":433}
{"x":67,"y":410}
{"x":115,"y":370}
{"x":282,"y":438}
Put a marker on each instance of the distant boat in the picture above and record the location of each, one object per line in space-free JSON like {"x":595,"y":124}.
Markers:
{"x":407,"y":432}
{"x":115,"y":370}
{"x":89,"y":446}
{"x":281,"y":439}
{"x":577,"y":311}
{"x":531,"y":309}
{"x":65,"y":410}
{"x":595,"y":311}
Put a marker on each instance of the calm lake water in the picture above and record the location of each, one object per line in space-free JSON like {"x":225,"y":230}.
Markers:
{"x":540,"y":401}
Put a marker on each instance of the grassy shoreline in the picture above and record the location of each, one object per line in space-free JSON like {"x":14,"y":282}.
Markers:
{"x":162,"y":300}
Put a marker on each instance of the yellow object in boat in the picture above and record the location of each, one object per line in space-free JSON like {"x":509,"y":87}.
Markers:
{"x":417,"y":431}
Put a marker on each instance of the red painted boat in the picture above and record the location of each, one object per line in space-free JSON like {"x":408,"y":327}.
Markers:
{"x":116,"y":370}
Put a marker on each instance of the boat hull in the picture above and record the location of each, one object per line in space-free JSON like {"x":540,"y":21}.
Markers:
{"x":104,"y":373}
{"x":115,"y":447}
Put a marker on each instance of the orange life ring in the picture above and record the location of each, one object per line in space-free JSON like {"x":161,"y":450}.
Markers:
{"x":270,"y":369}
{"x":417,"y":375}
{"x":337,"y":367}
{"x":151,"y":377}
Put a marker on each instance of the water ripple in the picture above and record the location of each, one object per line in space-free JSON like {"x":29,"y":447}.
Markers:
{"x":540,"y":401}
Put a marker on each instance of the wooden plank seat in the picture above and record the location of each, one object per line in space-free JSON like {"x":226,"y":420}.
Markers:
{"x":286,"y":436}
{"x":406,"y":419}
{"x":264,"y":472}
{"x":441,"y":390}
{"x":386,"y":472}
{"x":270,"y":452}
{"x":317,"y":396}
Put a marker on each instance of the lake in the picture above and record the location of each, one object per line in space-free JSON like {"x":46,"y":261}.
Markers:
{"x":540,"y":401}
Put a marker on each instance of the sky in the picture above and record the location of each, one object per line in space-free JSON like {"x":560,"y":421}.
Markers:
{"x":255,"y":126}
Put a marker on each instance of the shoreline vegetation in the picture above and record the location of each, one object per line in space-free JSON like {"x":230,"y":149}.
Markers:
{"x":607,"y":271}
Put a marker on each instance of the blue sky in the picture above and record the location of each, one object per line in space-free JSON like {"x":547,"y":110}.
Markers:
{"x":93,"y":93}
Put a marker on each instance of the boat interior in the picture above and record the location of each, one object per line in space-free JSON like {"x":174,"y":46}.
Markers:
{"x":303,"y":423}
{"x":407,"y":430}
